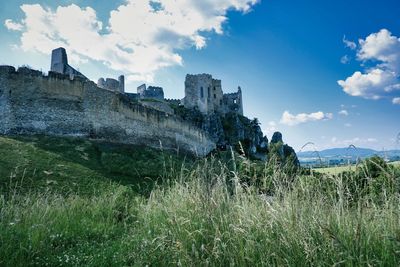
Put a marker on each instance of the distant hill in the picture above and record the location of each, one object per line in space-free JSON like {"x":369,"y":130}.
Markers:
{"x":347,"y":153}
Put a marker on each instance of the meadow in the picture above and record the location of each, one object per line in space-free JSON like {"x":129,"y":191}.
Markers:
{"x":335,"y":170}
{"x":69,"y":202}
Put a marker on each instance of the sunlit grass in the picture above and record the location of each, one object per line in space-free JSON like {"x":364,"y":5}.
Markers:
{"x":203,"y":216}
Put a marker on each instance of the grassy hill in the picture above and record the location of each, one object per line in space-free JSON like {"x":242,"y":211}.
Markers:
{"x":73,"y":202}
{"x":73,"y":165}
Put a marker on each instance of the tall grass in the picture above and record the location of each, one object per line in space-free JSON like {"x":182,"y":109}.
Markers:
{"x":206,"y":216}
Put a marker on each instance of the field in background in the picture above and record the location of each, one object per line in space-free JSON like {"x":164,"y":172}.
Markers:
{"x":71,"y":202}
{"x":334,"y":170}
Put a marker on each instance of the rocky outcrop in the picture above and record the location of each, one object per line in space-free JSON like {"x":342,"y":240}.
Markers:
{"x":281,"y":152}
{"x":238,"y":128}
{"x":276,"y":138}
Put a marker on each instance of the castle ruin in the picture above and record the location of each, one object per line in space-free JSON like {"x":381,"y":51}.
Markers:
{"x":151,"y":92}
{"x":65,"y":102}
{"x":112,"y":84}
{"x":59,"y":64}
{"x":205,"y":93}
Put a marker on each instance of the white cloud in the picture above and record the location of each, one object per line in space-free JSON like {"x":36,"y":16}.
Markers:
{"x":345,"y":59}
{"x":13,"y":26}
{"x":272,"y":127}
{"x":348,"y":125}
{"x":140,"y":37}
{"x":370,"y":85}
{"x":382,"y":49}
{"x":396,"y":100}
{"x":344,"y":112}
{"x":350,"y":44}
{"x":291,"y":120}
{"x":382,"y":46}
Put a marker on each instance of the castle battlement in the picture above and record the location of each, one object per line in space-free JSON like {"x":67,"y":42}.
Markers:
{"x":32,"y":103}
{"x":112,"y":84}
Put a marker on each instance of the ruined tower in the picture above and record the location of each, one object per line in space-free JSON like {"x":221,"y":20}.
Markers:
{"x":59,"y":64}
{"x":203,"y":92}
{"x":151,"y":92}
{"x":206,"y":94}
{"x":112,"y":84}
{"x":233,"y":102}
{"x":121,"y":80}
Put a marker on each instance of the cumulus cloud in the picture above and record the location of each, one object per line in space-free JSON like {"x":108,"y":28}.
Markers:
{"x":291,"y":119}
{"x":381,"y":49}
{"x":344,"y":112}
{"x":396,"y":100}
{"x":140,"y":37}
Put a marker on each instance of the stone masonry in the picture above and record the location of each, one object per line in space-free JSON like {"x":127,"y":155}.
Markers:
{"x":205,"y":93}
{"x":59,"y":64}
{"x":151,"y":92}
{"x":66,"y":103}
{"x":112,"y":84}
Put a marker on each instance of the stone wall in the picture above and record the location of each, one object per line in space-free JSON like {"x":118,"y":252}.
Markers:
{"x":202,"y":92}
{"x":151,"y":92}
{"x":112,"y":84}
{"x":232,"y":103}
{"x":206,"y":94}
{"x":31,"y":103}
{"x":157,"y":105}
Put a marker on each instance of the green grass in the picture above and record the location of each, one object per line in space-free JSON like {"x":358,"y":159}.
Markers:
{"x":335,"y":170}
{"x":201,"y":215}
{"x":395,"y":163}
{"x":73,"y":165}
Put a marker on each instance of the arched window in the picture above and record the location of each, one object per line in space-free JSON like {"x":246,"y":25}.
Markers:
{"x":201,"y":92}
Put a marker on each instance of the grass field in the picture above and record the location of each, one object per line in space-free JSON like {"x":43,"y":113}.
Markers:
{"x":90,"y":211}
{"x":335,"y":170}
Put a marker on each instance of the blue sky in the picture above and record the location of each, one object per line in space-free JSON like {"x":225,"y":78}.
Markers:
{"x":287,"y":56}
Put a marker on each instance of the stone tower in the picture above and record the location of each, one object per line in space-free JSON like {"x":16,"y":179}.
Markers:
{"x":233,"y":102}
{"x":59,"y":64}
{"x":59,"y":60}
{"x":121,"y":80}
{"x":204,"y":93}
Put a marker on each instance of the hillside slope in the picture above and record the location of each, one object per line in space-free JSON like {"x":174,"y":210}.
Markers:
{"x":68,"y":165}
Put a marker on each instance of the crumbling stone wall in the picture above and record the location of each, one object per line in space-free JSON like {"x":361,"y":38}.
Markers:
{"x":206,"y":94}
{"x":31,"y":103}
{"x":112,"y":84}
{"x":151,"y":92}
{"x":203,"y":92}
{"x":232,"y":103}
